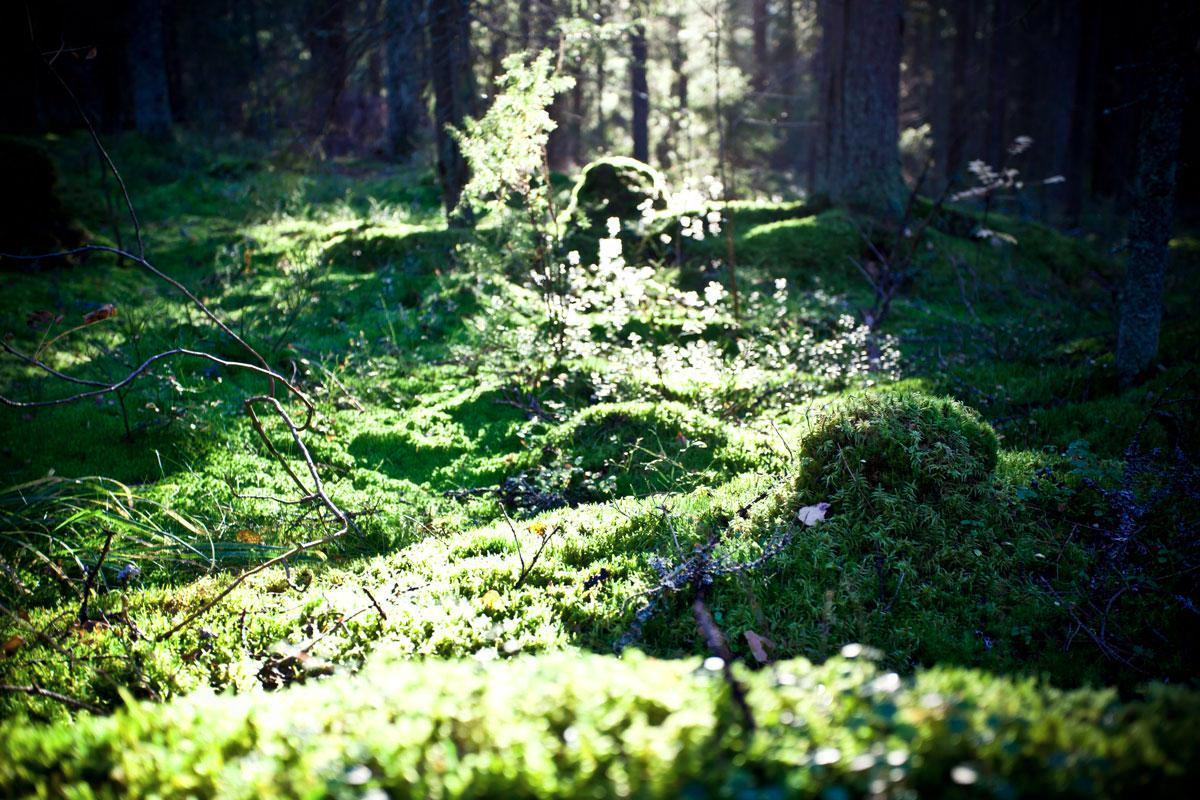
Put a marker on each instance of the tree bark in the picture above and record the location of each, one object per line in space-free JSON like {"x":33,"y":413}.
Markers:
{"x":405,"y":46}
{"x":148,"y":68}
{"x":640,"y":89}
{"x":759,"y":21}
{"x":453,"y":92}
{"x":667,"y":147}
{"x":996,"y":139}
{"x":960,"y":123}
{"x":1059,"y":83}
{"x":1153,"y":208}
{"x":860,"y":76}
{"x":329,"y":67}
{"x":786,"y":73}
{"x":1083,"y":121}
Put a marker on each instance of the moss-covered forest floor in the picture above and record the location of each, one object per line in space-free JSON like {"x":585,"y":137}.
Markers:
{"x":1002,"y":583}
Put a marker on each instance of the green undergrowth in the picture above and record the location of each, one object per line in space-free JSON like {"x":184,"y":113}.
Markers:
{"x":925,"y":551}
{"x":592,"y":726}
{"x":519,"y":505}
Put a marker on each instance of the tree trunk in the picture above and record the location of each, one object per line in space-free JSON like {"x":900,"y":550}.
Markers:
{"x":860,"y":75}
{"x":325,"y":36}
{"x":667,"y":148}
{"x":786,"y":71}
{"x":1060,"y":90}
{"x":405,"y":46}
{"x":641,"y":92}
{"x":148,"y":68}
{"x":759,"y":21}
{"x":1150,"y":227}
{"x":996,"y":140}
{"x":453,"y":92}
{"x":960,"y":122}
{"x":1083,"y":134}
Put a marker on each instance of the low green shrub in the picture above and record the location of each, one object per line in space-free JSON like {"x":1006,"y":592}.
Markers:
{"x":569,"y":725}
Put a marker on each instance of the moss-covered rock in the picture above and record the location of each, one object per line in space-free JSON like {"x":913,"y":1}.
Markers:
{"x":415,"y":251}
{"x":615,"y":187}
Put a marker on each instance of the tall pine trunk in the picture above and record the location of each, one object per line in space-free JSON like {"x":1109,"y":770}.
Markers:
{"x":640,"y":89}
{"x":759,"y":21}
{"x":858,"y":155}
{"x":996,"y":138}
{"x":668,"y":146}
{"x":329,"y":67}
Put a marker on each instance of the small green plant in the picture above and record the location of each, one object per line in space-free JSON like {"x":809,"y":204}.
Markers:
{"x":506,"y":149}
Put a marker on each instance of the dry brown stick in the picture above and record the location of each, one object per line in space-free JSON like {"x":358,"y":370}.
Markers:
{"x":715,"y":640}
{"x":374,"y":602}
{"x":90,"y":581}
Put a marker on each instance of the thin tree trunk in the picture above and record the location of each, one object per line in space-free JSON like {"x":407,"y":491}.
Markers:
{"x":1150,"y":227}
{"x":405,"y":46}
{"x":961,"y":92}
{"x":1083,"y":134}
{"x":786,"y":69}
{"x":667,"y":148}
{"x":148,"y":68}
{"x":759,"y":20}
{"x":329,"y":65}
{"x":453,"y":93}
{"x":1061,"y":91}
{"x":996,"y":140}
{"x":640,"y":90}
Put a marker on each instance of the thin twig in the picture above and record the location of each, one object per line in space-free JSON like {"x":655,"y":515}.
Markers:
{"x":91,"y":577}
{"x":38,"y":691}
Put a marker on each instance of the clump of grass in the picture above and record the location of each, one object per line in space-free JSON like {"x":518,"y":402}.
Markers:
{"x":55,"y":532}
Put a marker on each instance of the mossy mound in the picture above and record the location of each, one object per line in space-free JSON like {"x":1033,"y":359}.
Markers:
{"x":574,"y":726}
{"x":794,"y":242}
{"x":920,"y":554}
{"x":415,"y":251}
{"x":640,"y":447}
{"x":615,"y":187}
{"x":32,"y":218}
{"x":906,"y":443}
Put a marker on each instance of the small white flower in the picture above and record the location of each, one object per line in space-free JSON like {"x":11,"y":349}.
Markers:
{"x":573,"y":258}
{"x":614,"y":226}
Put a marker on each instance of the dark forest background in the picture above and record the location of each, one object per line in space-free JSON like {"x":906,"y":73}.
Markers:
{"x":328,"y":78}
